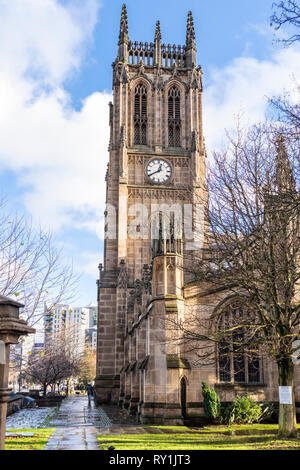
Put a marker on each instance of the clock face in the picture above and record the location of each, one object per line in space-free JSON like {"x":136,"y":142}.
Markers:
{"x":158,"y":170}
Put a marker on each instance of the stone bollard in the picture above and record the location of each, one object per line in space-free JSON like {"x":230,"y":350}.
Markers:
{"x":11,"y":328}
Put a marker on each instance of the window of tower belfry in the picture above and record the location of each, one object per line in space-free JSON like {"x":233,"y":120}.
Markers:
{"x":140,"y":115}
{"x":174,"y":122}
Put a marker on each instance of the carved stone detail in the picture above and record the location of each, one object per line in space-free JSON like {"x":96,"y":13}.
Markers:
{"x":179,"y":162}
{"x":123,"y":277}
{"x":164,"y":194}
{"x":147,"y":279}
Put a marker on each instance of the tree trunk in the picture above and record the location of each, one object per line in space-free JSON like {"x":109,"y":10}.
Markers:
{"x":287,"y":413}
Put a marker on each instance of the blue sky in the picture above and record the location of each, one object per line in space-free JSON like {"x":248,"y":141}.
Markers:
{"x":55,"y":84}
{"x":224,"y":30}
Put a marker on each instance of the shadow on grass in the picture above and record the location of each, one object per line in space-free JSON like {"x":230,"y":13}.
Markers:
{"x":199,"y":441}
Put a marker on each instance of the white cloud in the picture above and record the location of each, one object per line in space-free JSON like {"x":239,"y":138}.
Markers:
{"x":58,"y":154}
{"x":44,"y":38}
{"x":66,"y":160}
{"x":87,"y":263}
{"x":244,"y":86}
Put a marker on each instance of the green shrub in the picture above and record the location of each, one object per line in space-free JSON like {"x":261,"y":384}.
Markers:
{"x":211,"y":402}
{"x":244,"y":410}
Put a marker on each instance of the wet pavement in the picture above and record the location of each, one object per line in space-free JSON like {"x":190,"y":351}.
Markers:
{"x":75,"y":412}
{"x":75,"y":424}
{"x":83,"y":438}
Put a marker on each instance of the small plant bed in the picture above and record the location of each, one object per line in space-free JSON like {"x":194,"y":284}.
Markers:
{"x":235,"y":437}
{"x":36,"y":442}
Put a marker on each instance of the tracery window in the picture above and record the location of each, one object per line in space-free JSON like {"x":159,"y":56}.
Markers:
{"x":235,"y":365}
{"x":140,"y":115}
{"x":174,"y":122}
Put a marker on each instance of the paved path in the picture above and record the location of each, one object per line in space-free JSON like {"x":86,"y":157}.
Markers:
{"x":73,"y":439}
{"x":75,"y":411}
{"x":75,"y":424}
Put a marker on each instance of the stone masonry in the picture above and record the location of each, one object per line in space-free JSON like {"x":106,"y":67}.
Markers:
{"x":156,"y":115}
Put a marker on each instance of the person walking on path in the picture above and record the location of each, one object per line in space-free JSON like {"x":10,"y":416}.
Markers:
{"x":89,"y":390}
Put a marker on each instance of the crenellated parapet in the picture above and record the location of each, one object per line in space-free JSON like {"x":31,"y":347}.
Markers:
{"x":144,"y":53}
{"x":155,"y":53}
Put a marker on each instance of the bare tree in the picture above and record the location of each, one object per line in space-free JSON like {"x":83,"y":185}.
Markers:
{"x":32,"y":269}
{"x":58,"y":362}
{"x":252,"y":253}
{"x":287,"y":13}
{"x":40,"y":370}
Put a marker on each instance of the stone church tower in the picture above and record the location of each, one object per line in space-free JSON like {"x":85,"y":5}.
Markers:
{"x":155,"y":180}
{"x":156,"y":152}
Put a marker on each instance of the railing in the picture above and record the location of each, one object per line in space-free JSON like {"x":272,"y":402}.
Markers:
{"x":139,"y":52}
{"x":143,"y":53}
{"x":172,"y":55}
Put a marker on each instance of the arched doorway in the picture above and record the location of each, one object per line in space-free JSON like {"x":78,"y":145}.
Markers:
{"x":183,"y":396}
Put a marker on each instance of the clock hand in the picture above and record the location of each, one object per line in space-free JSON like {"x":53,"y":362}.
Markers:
{"x":157,"y":171}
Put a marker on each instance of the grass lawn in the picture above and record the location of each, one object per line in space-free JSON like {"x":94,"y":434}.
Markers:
{"x":36,"y":442}
{"x":238,"y":437}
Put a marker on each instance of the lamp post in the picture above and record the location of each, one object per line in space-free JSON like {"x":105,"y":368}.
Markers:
{"x":11,"y":328}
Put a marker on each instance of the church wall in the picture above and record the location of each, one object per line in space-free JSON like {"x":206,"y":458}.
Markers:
{"x":204,"y":306}
{"x":137,"y":364}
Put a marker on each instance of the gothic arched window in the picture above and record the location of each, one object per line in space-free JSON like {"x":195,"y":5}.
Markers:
{"x":140,"y":115}
{"x":174,"y":122}
{"x":235,"y":365}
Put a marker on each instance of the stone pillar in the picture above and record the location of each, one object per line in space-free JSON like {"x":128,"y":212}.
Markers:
{"x":127,"y":396}
{"x":11,"y":328}
{"x":107,"y":381}
{"x":142,"y":354}
{"x":4,"y":392}
{"x":134,"y":393}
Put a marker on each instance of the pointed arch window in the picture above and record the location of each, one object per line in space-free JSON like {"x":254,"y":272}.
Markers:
{"x":234,"y":364}
{"x":140,"y":115}
{"x":174,"y":121}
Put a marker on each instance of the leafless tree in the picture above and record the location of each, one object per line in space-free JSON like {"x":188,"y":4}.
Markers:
{"x":287,"y":13}
{"x":252,"y":254}
{"x":287,"y":109}
{"x":58,"y":362}
{"x":32,"y":269}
